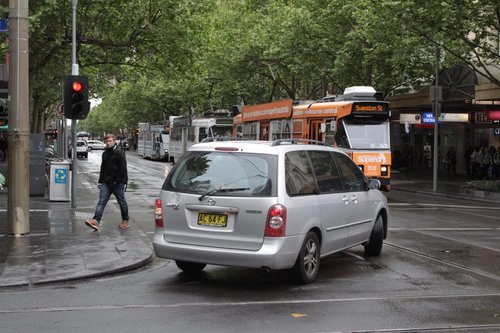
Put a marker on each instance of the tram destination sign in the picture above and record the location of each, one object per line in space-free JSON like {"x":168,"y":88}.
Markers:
{"x":370,"y":108}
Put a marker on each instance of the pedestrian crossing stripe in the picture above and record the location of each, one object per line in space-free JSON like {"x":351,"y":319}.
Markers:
{"x":61,"y":176}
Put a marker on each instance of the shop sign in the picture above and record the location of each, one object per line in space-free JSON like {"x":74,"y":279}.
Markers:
{"x":410,"y":118}
{"x":424,"y":126}
{"x":428,"y":118}
{"x":454,"y":117}
{"x":493,"y":115}
{"x":481,"y":118}
{"x":496,"y":130}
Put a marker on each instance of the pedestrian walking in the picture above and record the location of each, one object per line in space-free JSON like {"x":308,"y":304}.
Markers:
{"x":496,"y":164}
{"x":408,"y":157}
{"x":113,"y":179}
{"x":485,"y":164}
{"x":476,"y":163}
{"x":468,"y":162}
{"x":428,"y":155}
{"x":451,"y":157}
{"x":3,"y":146}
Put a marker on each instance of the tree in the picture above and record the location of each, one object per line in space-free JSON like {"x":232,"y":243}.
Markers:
{"x":111,"y":36}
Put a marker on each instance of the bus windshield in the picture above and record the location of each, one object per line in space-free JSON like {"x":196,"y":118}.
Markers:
{"x":367,"y":133}
{"x":221,"y":131}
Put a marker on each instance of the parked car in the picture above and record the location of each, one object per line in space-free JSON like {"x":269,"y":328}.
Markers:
{"x":271,"y":205}
{"x":82,"y":149}
{"x":123,"y":144}
{"x":96,"y":144}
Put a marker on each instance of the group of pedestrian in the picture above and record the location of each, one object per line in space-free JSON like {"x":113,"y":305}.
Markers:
{"x":3,"y":146}
{"x":484,"y":163}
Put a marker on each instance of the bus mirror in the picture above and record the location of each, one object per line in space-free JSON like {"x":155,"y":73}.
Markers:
{"x":323,"y":128}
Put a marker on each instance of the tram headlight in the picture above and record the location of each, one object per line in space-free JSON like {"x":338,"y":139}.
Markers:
{"x":384,"y":170}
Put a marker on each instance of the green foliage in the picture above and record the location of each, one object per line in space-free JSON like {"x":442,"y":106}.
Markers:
{"x":486,"y":185}
{"x":150,"y":59}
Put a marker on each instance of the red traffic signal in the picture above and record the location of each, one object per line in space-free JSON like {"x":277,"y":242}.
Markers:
{"x":77,"y":86}
{"x":76,"y":97}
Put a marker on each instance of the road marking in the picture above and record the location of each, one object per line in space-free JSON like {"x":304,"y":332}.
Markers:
{"x":250,"y":303}
{"x":84,"y":215}
{"x":444,"y":229}
{"x":398,"y":204}
{"x":31,"y":210}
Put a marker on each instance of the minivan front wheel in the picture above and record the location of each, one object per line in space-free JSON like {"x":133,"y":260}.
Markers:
{"x":190,"y":267}
{"x":307,"y":264}
{"x":374,"y":246}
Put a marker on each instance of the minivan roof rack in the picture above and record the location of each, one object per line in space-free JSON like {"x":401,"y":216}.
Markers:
{"x":297,"y":141}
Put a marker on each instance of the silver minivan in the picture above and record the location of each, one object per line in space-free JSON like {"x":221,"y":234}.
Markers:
{"x":271,"y":205}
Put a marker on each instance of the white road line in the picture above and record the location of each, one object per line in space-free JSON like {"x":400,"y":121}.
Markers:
{"x":250,"y":303}
{"x":445,"y":229}
{"x":400,"y":204}
{"x":31,"y":210}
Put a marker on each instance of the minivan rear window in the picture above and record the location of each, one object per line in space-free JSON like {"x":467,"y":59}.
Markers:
{"x":241,"y":174}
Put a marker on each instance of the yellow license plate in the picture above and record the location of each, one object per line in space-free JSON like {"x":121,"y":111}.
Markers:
{"x":212,"y":220}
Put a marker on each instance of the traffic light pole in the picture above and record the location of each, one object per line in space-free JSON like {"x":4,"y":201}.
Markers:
{"x":74,"y":71}
{"x":18,"y":133}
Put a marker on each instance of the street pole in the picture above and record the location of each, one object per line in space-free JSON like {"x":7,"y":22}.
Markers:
{"x":18,"y":134}
{"x":436,"y":124}
{"x":74,"y":71}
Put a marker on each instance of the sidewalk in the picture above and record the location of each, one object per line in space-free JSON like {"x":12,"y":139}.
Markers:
{"x":61,"y":247}
{"x":420,"y":180}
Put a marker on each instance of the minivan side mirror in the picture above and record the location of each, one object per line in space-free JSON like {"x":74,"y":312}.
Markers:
{"x":374,"y":184}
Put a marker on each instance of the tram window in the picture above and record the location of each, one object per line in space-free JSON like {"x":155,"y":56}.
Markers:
{"x":341,"y":136}
{"x":330,"y":132}
{"x":203,"y":133}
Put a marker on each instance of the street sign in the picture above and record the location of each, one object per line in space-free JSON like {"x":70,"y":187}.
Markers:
{"x":3,"y":25}
{"x":60,"y":108}
{"x":60,"y":111}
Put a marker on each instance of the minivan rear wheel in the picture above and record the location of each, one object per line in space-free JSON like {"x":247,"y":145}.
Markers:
{"x":190,"y":267}
{"x":374,"y":246}
{"x":307,"y":264}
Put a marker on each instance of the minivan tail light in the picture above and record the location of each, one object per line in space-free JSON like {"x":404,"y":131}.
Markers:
{"x":276,"y":221}
{"x":158,"y":214}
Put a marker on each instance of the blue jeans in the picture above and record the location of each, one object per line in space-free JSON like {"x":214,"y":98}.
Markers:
{"x":106,"y":190}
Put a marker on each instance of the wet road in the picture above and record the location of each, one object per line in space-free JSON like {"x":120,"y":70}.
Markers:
{"x":439,"y":271}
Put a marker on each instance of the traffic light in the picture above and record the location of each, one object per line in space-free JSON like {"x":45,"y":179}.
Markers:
{"x":76,"y":97}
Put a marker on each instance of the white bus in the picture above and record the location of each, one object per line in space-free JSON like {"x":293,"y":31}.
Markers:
{"x":152,"y":141}
{"x":199,"y":129}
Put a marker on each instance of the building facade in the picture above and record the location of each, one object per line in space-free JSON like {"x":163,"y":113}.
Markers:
{"x":469,"y":117}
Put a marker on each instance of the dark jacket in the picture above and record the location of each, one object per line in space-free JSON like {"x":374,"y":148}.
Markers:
{"x":113,"y":166}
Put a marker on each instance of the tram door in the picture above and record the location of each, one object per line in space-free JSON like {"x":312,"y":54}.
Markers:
{"x":315,"y":130}
{"x":264,"y":132}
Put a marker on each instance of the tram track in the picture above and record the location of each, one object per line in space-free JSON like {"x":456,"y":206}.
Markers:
{"x":452,"y":328}
{"x":444,"y":261}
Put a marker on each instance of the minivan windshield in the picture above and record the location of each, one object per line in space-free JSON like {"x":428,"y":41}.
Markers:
{"x":224,"y":174}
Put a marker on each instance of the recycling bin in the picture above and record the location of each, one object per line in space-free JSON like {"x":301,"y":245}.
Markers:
{"x":60,"y":181}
